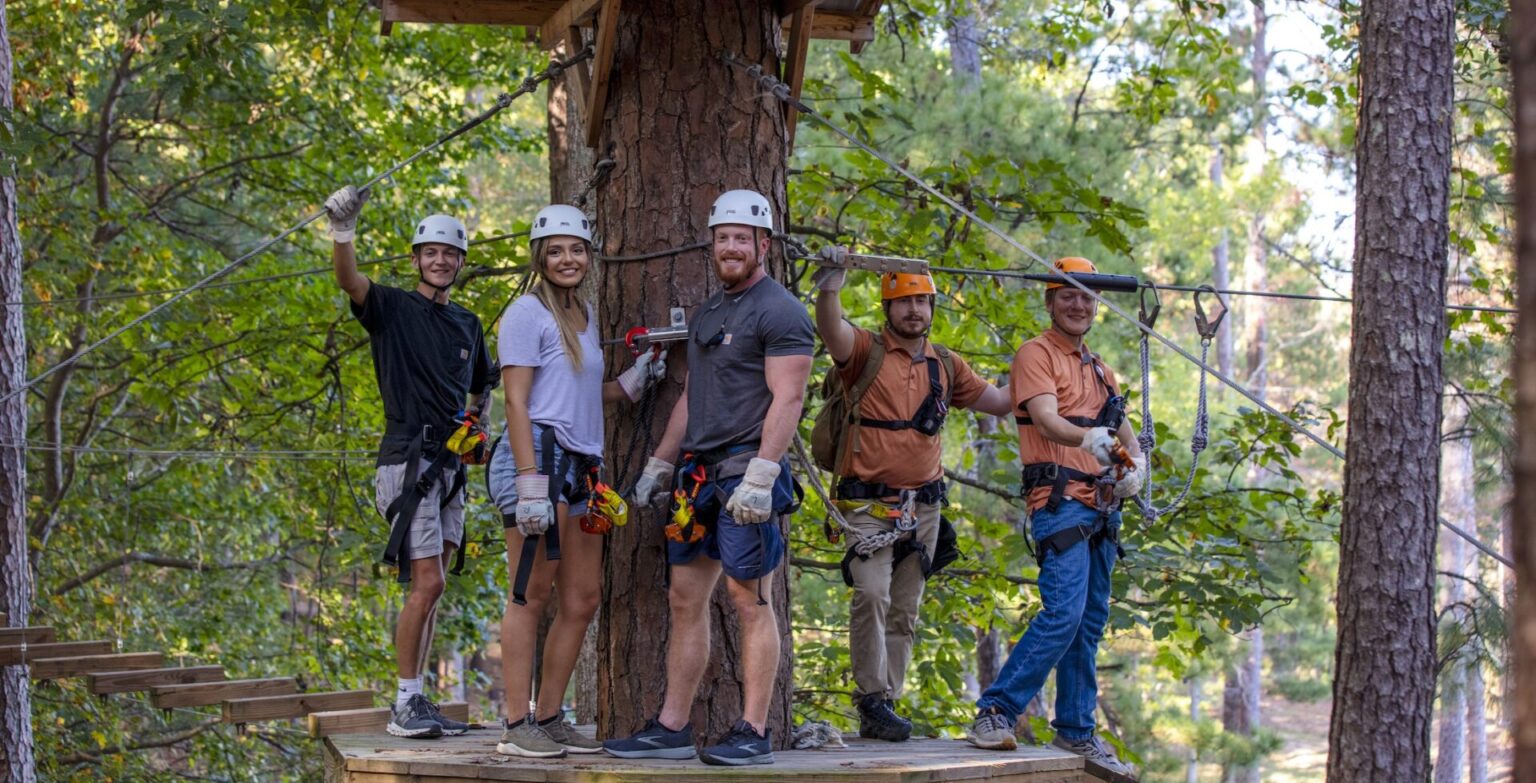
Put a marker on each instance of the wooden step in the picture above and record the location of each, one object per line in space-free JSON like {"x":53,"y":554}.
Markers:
{"x":13,"y":654}
{"x":206,"y":693}
{"x":36,"y":634}
{"x":295,"y":706}
{"x":129,"y":681}
{"x":80,"y":665}
{"x":370,"y":721}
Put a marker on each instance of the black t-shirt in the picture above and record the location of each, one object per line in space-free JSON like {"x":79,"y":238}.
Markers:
{"x":428,"y":358}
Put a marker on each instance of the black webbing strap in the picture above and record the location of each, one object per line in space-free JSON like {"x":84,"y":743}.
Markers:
{"x":555,"y":470}
{"x":460,"y":479}
{"x":415,"y":485}
{"x":1039,"y":474}
{"x":934,"y":492}
{"x":1062,"y":540}
{"x":935,"y":393}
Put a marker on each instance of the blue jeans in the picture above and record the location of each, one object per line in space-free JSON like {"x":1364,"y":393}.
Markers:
{"x":1074,"y":591}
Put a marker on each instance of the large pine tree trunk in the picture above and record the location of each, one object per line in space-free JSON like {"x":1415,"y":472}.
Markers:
{"x":16,"y":763}
{"x":686,"y":127}
{"x":1384,"y":665}
{"x":1522,"y":524}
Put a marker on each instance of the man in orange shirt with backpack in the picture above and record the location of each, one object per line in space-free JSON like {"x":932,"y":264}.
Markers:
{"x":898,"y":386}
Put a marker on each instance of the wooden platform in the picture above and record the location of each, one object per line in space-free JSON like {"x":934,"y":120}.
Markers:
{"x":380,"y":758}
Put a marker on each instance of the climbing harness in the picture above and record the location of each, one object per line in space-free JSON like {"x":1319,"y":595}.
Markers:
{"x":555,"y":468}
{"x":683,"y":527}
{"x":469,"y":439}
{"x":606,"y":509}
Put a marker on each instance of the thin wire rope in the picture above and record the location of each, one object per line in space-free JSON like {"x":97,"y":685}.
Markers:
{"x":296,"y":454}
{"x":781,"y":91}
{"x":529,"y":84}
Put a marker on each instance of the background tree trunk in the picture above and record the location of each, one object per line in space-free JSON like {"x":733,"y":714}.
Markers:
{"x":1221,"y":268}
{"x":1458,"y":504}
{"x":964,"y":34}
{"x":16,"y":760}
{"x":1383,"y":692}
{"x":1522,"y":524}
{"x":685,"y":127}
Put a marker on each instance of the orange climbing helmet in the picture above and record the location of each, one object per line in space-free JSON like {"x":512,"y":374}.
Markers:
{"x":895,"y":285}
{"x":1072,"y":265}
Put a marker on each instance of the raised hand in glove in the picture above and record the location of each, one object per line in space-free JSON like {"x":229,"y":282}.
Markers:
{"x":830,"y":278}
{"x":752,"y":502}
{"x":343,"y":207}
{"x":1100,"y":442}
{"x":654,"y":480}
{"x":648,"y":368}
{"x":534,"y":512}
{"x":1130,"y":483}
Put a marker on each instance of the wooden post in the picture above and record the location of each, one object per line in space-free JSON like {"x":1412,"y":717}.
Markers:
{"x":1523,"y":510}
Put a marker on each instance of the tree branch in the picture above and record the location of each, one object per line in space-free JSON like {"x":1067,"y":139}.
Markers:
{"x":165,"y":561}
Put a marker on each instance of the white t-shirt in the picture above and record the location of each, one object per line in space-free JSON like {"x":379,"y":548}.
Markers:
{"x":569,"y":401}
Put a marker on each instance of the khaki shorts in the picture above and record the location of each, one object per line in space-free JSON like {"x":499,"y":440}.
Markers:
{"x":432,"y":525}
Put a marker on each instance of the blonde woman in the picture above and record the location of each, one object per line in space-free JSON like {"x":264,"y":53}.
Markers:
{"x":542,"y":473}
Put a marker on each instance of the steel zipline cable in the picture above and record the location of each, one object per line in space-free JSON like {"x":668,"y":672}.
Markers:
{"x":528,"y":85}
{"x":781,"y":91}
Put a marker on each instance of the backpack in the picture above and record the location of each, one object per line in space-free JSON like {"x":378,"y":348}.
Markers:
{"x":835,"y":433}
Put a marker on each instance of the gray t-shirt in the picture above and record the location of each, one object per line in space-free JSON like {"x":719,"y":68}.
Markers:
{"x":729,"y":337}
{"x":569,"y":401}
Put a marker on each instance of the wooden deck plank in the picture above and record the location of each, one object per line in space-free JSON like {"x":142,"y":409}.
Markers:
{"x":130,"y":681}
{"x":371,"y":720}
{"x":76,"y":666}
{"x":204,"y":694}
{"x":13,"y":654}
{"x":32,"y":634}
{"x":295,"y":705}
{"x":379,"y":758}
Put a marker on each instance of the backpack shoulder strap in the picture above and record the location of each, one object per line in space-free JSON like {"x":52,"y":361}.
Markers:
{"x":948,"y":360}
{"x":867,"y":375}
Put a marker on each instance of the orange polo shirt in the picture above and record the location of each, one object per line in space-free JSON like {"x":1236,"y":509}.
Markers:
{"x":905,"y":459}
{"x":1049,"y":364}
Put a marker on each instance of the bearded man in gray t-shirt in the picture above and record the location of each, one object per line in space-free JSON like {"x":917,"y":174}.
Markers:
{"x":749,"y":356}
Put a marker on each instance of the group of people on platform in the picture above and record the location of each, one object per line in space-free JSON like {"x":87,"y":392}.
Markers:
{"x":722,"y":460}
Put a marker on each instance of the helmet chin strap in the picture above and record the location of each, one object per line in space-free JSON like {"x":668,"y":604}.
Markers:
{"x":441,"y":290}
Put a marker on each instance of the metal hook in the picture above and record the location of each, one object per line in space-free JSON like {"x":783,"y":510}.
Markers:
{"x":1207,"y":327}
{"x":1149,"y":317}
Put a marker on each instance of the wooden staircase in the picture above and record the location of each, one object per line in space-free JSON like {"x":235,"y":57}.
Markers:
{"x":241,"y":701}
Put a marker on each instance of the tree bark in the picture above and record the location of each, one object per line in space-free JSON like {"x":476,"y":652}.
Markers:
{"x":1257,"y":261}
{"x":1459,"y":505}
{"x":1477,"y":726}
{"x":1384,"y":664}
{"x":684,"y":127}
{"x":1522,"y":523}
{"x":16,"y":750}
{"x":964,"y":36}
{"x":1221,"y":267}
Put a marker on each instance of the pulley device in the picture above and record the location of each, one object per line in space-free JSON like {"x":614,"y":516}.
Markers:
{"x":655,"y":338}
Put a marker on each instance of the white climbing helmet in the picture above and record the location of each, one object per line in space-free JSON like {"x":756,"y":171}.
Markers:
{"x":560,"y":220}
{"x":441,"y":228}
{"x":741,"y":207}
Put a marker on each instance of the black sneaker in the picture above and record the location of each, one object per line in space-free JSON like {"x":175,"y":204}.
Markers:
{"x":740,"y":747}
{"x":655,"y":741}
{"x":414,"y":719}
{"x":451,"y":727}
{"x":878,"y":720}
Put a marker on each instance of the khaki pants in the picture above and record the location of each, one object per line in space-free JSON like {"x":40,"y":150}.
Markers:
{"x":883,"y":618}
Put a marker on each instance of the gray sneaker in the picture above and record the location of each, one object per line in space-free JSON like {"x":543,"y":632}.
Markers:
{"x":1096,"y":751}
{"x":414,"y":719}
{"x":527,"y":739}
{"x":992,"y":730}
{"x":566,"y":734}
{"x":451,"y":727}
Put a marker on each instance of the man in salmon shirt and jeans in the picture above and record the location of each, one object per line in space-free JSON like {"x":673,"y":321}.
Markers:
{"x":892,"y":486}
{"x":1080,"y":458}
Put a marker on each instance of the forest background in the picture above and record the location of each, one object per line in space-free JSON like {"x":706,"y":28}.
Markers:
{"x":203,"y":485}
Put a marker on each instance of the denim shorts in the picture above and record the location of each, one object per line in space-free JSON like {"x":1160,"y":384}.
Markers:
{"x":745,"y":551}
{"x":501,"y":474}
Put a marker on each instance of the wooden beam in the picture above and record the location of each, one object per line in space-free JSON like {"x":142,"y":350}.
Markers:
{"x":130,"y":681}
{"x":34,"y":634}
{"x":794,"y":72}
{"x":204,"y":694}
{"x":604,"y":41}
{"x":789,"y":7}
{"x":59,"y":668}
{"x":575,"y":13}
{"x":294,"y":706}
{"x":857,"y":30}
{"x":369,"y":721}
{"x":10,"y":655}
{"x":502,"y":12}
{"x":579,"y":76}
{"x":868,"y":9}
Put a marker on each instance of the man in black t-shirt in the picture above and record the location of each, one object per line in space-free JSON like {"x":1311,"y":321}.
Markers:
{"x":428,"y":356}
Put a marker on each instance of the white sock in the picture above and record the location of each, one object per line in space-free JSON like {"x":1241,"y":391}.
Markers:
{"x":407,"y":689}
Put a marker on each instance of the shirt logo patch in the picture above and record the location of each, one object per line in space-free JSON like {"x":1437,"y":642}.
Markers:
{"x":464,"y":353}
{"x":726,"y":341}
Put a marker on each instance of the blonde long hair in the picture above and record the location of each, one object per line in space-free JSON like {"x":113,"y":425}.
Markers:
{"x":566,"y":318}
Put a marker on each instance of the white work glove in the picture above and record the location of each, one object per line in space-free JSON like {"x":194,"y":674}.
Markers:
{"x":534,"y":512}
{"x":1100,"y":443}
{"x":752,"y":502}
{"x":343,"y":207}
{"x":649,"y":368}
{"x":654,"y":480}
{"x":830,"y":278}
{"x":1130,"y":484}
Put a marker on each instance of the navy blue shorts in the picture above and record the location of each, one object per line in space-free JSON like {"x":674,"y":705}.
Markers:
{"x":745,"y":552}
